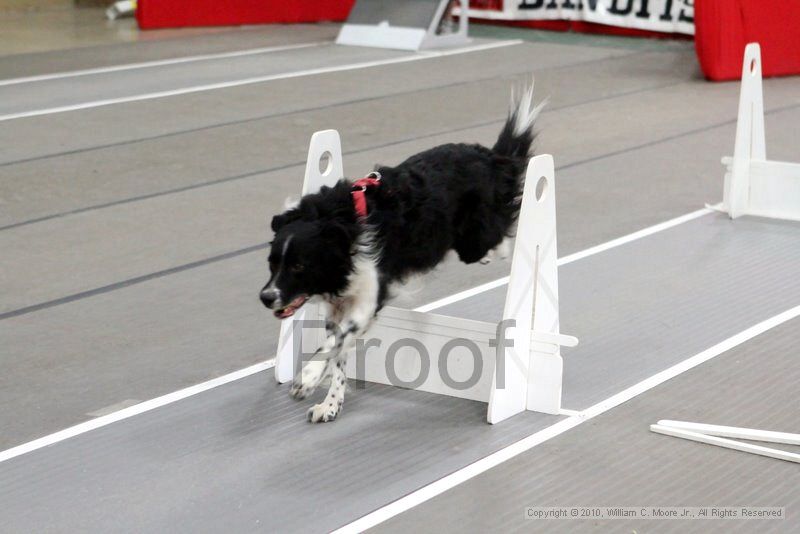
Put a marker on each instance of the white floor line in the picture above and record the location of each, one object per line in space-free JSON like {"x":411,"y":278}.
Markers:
{"x":136,"y":409}
{"x":159,"y":63}
{"x":650,"y":230}
{"x":462,"y":475}
{"x":258,"y":79}
{"x":461,"y":295}
{"x":236,"y":375}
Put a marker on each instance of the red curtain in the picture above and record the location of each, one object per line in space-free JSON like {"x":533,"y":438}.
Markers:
{"x":178,"y":13}
{"x":724,"y":27}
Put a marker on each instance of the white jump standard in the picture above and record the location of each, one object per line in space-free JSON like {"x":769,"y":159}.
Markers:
{"x":759,"y":187}
{"x":449,"y":355}
{"x":755,"y":185}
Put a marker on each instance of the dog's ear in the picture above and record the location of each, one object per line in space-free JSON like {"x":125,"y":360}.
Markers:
{"x":278,"y":221}
{"x":284,"y":218}
{"x":336,"y":234}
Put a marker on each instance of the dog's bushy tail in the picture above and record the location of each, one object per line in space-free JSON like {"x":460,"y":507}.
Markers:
{"x":516,"y":137}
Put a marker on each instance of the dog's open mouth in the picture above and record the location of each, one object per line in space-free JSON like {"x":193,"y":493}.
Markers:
{"x":289,"y":309}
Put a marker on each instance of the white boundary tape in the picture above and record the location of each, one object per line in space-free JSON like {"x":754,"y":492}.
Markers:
{"x":136,"y":409}
{"x":181,"y":394}
{"x":157,"y":63}
{"x":650,"y":230}
{"x":257,"y":79}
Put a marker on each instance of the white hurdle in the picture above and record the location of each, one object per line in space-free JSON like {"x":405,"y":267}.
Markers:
{"x":753,"y":184}
{"x":461,"y":354}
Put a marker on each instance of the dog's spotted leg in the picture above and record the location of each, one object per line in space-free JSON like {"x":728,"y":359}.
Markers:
{"x":329,"y":408}
{"x":307,"y":380}
{"x":356,"y":310}
{"x":314,"y":371}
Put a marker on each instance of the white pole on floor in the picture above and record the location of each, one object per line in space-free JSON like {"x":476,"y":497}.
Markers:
{"x":718,"y":435}
{"x":735,"y":432}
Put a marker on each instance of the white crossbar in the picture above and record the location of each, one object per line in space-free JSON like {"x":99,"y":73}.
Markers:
{"x":725,"y":443}
{"x":454,"y":356}
{"x":773,"y":190}
{"x":734,"y":432}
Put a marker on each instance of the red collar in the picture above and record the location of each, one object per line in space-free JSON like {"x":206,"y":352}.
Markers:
{"x":373,"y":179}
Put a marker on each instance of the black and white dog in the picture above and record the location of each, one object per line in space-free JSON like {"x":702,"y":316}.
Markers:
{"x":347,"y":244}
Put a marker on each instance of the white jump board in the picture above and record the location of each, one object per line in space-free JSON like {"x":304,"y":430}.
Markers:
{"x":434,"y":331}
{"x":381,"y":36}
{"x":408,"y":25}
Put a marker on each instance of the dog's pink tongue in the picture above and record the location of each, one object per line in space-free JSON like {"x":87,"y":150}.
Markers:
{"x":290,"y":308}
{"x":286,"y":312}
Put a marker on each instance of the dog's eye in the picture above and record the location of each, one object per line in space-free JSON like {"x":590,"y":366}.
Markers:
{"x":297,"y":268}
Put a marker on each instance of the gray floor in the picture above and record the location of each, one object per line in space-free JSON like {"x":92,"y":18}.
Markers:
{"x":251,"y":462}
{"x":68,"y":52}
{"x":242,"y":458}
{"x":133,"y":235}
{"x":652,"y":303}
{"x":614,"y":460}
{"x":125,"y":84}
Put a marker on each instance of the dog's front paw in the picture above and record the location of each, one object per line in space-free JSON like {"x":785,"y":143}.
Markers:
{"x":300,"y":391}
{"x":307,"y":380}
{"x":323,"y":412}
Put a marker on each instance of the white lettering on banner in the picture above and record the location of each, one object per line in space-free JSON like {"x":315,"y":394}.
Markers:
{"x":673,"y":16}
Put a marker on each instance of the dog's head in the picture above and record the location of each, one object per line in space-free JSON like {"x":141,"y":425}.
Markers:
{"x":309,"y":256}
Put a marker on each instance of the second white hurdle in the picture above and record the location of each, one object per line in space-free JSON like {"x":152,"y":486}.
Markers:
{"x":514,"y":366}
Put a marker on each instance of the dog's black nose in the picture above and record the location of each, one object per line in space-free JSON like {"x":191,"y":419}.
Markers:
{"x":268,"y":297}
